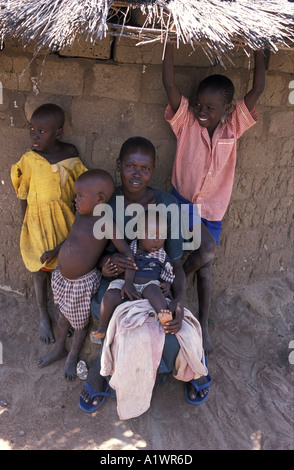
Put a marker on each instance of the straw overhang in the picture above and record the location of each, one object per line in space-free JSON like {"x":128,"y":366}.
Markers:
{"x":217,"y":25}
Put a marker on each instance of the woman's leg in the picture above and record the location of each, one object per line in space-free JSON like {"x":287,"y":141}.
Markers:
{"x":94,"y":380}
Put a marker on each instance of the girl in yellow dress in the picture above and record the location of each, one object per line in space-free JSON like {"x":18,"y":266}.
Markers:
{"x":44,"y":182}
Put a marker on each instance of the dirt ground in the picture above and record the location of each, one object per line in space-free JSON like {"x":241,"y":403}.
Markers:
{"x":250,"y":405}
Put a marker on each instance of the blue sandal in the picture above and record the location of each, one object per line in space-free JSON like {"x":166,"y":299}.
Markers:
{"x":88,"y":407}
{"x":198,"y":400}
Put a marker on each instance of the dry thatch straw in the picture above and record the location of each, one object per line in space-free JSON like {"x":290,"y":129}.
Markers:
{"x":217,"y":25}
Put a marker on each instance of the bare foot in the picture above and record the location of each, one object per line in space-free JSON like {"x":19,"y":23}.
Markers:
{"x":46,"y":333}
{"x":53,"y":356}
{"x":70,"y":370}
{"x":165,"y":316}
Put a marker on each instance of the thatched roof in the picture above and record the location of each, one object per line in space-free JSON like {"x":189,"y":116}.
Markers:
{"x":218,"y":25}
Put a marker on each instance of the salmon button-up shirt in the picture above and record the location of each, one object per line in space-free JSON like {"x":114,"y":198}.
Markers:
{"x":204,"y":170}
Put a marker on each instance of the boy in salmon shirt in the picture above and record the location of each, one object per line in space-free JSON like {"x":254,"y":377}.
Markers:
{"x":203,"y":173}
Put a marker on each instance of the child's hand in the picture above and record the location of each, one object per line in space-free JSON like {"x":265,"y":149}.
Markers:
{"x":109,"y":269}
{"x":165,"y":288}
{"x":128,"y":289}
{"x":48,"y":256}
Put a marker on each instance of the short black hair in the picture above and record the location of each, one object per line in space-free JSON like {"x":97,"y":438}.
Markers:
{"x":96,"y":173}
{"x":54,"y":110}
{"x":137,"y":142}
{"x":220,"y":83}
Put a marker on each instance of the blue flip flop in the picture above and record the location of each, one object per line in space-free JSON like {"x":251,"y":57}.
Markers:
{"x":88,"y":407}
{"x":198,"y":400}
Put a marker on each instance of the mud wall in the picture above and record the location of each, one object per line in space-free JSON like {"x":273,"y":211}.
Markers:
{"x":112,"y":91}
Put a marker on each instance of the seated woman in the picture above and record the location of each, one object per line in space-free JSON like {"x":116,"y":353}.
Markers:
{"x":136,"y":164}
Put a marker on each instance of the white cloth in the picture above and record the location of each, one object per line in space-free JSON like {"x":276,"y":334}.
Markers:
{"x":132,"y":352}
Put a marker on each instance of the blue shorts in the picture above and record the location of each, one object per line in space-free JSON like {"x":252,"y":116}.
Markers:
{"x":214,"y":226}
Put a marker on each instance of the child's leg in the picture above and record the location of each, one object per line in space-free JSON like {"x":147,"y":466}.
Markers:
{"x":153,"y":293}
{"x":59,"y":350}
{"x":110,"y":300}
{"x":204,"y":286}
{"x":70,"y":370}
{"x":40,"y":283}
{"x":203,"y":255}
{"x":199,"y":261}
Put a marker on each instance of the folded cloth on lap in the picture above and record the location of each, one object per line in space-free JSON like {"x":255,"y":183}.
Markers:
{"x":132,"y":352}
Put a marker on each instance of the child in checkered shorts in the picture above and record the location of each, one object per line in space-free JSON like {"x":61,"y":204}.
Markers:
{"x":76,"y":278}
{"x":153,"y":277}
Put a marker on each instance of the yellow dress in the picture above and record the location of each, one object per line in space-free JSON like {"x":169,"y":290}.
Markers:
{"x":49,"y":191}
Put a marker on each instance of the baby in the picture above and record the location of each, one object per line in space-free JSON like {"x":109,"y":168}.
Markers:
{"x":153,"y":277}
{"x":76,"y":278}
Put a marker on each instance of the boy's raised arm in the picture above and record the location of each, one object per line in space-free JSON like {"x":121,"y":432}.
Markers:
{"x":258,"y":80}
{"x":168,"y":78}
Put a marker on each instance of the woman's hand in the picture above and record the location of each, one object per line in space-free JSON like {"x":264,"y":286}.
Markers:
{"x":122,"y":263}
{"x":177,"y":308}
{"x":109,"y":269}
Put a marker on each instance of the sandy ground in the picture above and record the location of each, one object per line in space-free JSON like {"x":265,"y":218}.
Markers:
{"x":250,"y":405}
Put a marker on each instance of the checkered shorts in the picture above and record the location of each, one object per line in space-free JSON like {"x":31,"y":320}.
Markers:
{"x":73,"y":297}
